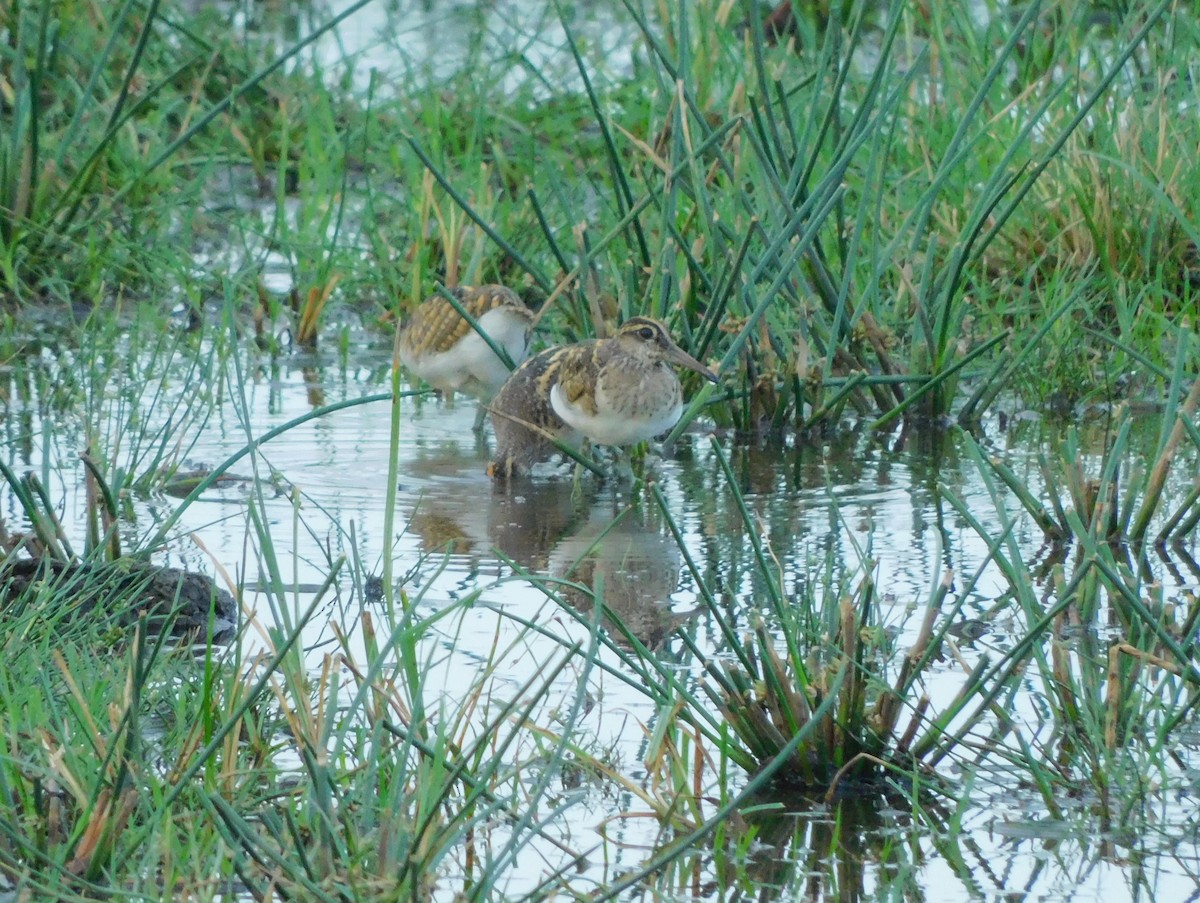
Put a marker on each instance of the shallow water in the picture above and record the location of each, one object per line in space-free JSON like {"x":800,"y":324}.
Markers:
{"x":510,"y":42}
{"x":880,"y":498}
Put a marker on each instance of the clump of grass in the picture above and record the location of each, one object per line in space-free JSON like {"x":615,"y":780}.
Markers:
{"x":808,"y":700}
{"x":63,"y":143}
{"x":804,"y":700}
{"x":1124,"y":496}
{"x":845,"y":240}
{"x":254,"y":771}
{"x":849,"y":744}
{"x":1114,"y":658}
{"x":43,"y":581}
{"x":1113,"y":201}
{"x":396,"y":787}
{"x":102,"y":100}
{"x":774,"y":213}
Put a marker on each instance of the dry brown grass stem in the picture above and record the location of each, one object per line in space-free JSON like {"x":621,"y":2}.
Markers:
{"x":1113,"y":695}
{"x":1158,"y":475}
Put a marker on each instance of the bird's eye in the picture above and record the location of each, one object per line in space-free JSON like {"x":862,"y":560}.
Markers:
{"x":646,"y":333}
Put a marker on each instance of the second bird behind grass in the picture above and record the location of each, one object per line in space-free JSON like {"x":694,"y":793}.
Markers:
{"x":440,"y":346}
{"x":615,"y":391}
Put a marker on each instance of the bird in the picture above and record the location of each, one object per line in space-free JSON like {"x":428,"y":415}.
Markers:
{"x":615,"y":391}
{"x":440,"y":346}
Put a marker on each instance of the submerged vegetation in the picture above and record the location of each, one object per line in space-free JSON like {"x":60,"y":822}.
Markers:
{"x":877,"y":216}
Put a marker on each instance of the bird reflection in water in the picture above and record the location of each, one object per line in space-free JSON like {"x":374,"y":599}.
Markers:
{"x":630,"y":566}
{"x":548,"y":529}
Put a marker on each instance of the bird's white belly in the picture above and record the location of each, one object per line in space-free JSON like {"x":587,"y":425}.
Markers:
{"x":472,"y":361}
{"x":614,"y":426}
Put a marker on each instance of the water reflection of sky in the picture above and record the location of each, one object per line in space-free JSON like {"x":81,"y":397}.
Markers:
{"x":393,"y":42}
{"x":885,"y":498}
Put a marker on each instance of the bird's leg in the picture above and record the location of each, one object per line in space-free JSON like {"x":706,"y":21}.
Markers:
{"x":480,"y":415}
{"x":624,"y":466}
{"x":577,"y":482}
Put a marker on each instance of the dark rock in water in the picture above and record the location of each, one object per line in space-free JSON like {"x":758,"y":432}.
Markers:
{"x":373,"y":589}
{"x":173,"y":599}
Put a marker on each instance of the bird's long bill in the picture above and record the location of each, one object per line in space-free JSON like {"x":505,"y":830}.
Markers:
{"x":683,"y":359}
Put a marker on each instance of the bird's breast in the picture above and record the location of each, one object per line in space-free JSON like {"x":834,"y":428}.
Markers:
{"x":627,"y":405}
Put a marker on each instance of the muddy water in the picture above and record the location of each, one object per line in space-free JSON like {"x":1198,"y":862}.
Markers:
{"x":880,"y":503}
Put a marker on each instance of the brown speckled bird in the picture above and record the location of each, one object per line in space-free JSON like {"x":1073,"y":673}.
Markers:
{"x":439,"y":346}
{"x":616,"y":391}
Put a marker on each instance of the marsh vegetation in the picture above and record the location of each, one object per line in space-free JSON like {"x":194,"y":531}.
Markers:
{"x":906,"y":607}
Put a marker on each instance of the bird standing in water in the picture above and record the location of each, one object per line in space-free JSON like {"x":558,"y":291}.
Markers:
{"x":440,"y":346}
{"x":615,"y":391}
